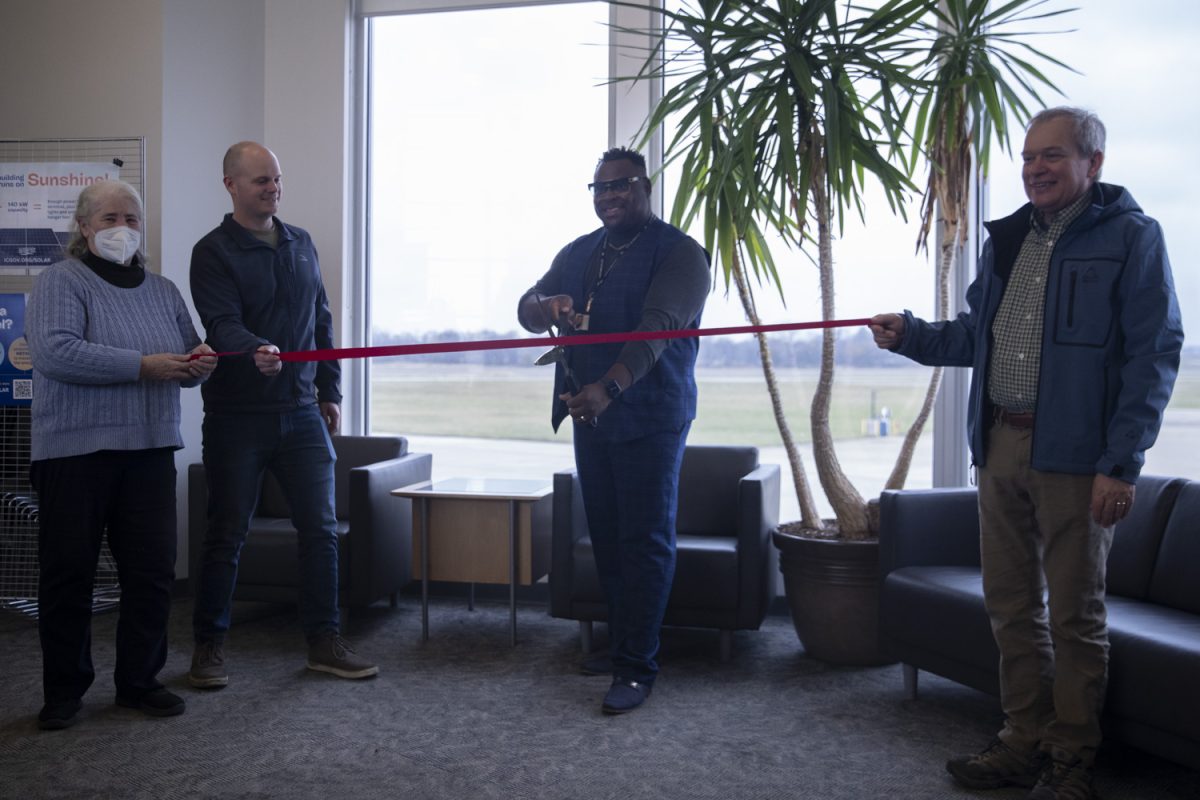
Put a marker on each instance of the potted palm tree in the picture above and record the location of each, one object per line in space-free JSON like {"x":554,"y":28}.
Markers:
{"x":782,"y":111}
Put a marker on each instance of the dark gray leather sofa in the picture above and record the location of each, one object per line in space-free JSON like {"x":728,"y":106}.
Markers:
{"x":725,"y":563}
{"x":374,"y":528}
{"x":932,"y":615}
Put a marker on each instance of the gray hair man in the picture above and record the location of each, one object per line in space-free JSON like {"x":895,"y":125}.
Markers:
{"x":1073,"y":334}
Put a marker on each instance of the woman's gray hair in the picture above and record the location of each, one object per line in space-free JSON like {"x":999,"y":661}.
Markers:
{"x":89,"y":202}
{"x":1089,"y":130}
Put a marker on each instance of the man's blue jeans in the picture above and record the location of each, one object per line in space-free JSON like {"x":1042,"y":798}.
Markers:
{"x":630,"y":496}
{"x":238,"y":449}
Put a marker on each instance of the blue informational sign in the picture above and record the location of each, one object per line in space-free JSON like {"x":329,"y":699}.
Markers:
{"x":16,"y":368}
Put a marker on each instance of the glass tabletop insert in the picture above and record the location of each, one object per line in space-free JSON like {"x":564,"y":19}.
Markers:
{"x":484,"y":486}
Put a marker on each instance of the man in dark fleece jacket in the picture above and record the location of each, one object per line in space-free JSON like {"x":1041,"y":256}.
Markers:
{"x":256,"y":283}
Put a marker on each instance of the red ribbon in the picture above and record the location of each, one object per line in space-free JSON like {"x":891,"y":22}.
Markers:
{"x":553,"y":341}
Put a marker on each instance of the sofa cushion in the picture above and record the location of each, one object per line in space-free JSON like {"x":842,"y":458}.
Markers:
{"x":706,"y":572}
{"x":928,"y":526}
{"x":1154,"y":658}
{"x":920,"y":605}
{"x":708,"y":488}
{"x":709,"y":562}
{"x":1174,"y":583}
{"x":1137,"y":538}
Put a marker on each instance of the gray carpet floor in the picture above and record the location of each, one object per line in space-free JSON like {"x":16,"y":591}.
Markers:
{"x":466,"y":716}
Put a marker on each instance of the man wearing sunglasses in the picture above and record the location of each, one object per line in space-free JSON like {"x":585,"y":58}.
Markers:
{"x":634,"y":404}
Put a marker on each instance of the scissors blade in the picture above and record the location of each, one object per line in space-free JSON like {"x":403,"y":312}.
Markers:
{"x":552,"y":356}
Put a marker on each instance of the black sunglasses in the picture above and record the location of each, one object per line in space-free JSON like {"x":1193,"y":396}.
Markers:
{"x":620,"y":185}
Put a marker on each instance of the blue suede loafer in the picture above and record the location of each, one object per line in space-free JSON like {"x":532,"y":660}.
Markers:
{"x":624,"y":696}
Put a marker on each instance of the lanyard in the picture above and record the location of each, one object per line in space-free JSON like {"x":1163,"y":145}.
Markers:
{"x":604,"y":271}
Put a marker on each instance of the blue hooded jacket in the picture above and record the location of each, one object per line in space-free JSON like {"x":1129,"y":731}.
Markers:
{"x":1110,"y":342}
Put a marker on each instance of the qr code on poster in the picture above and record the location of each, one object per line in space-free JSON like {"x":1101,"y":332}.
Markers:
{"x":22,"y":389}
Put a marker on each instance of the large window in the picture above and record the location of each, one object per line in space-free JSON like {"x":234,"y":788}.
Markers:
{"x":485,"y":126}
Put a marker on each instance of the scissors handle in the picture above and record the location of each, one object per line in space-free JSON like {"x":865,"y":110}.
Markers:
{"x":572,"y":381}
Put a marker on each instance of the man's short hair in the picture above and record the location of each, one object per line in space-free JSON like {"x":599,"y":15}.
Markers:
{"x":233,"y":157}
{"x":1089,"y":130}
{"x":619,"y":153}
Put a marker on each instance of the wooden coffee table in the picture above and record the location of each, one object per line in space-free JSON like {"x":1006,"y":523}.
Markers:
{"x":480,"y":530}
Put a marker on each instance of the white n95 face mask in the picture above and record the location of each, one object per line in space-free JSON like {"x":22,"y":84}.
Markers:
{"x":117,"y":244}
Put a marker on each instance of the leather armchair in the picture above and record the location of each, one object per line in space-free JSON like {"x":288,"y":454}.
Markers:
{"x":374,"y":528}
{"x":725,"y":564}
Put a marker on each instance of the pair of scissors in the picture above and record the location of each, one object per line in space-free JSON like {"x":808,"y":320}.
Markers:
{"x":558,"y":355}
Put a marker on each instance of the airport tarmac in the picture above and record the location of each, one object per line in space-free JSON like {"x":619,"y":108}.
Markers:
{"x":867,"y":460}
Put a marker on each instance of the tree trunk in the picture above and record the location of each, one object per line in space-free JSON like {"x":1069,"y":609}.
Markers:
{"x":848,"y":505}
{"x":809,"y":516}
{"x":949,"y":246}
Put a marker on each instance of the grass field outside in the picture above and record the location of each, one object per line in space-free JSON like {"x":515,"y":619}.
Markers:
{"x":477,"y":411}
{"x":734,"y":408}
{"x":415,"y":396}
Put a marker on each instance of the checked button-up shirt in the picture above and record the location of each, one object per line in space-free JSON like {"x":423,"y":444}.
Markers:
{"x":1017,"y":328}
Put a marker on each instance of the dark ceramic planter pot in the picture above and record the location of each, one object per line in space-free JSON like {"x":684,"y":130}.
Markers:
{"x":832,"y":589}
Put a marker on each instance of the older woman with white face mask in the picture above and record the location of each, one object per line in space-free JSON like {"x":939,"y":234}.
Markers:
{"x":112,"y":344}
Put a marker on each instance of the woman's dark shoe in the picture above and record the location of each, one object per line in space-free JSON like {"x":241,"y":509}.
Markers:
{"x":58,"y":715}
{"x":156,"y":702}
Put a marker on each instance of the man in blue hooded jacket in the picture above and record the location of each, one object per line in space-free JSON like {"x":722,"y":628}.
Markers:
{"x":1073,"y":334}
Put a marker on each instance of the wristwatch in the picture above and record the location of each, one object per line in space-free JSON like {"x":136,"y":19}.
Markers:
{"x":613,"y":388}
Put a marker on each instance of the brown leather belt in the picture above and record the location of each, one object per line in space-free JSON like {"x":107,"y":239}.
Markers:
{"x":1021,"y":420}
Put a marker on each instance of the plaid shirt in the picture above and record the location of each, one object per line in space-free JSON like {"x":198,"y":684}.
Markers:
{"x":1017,"y":328}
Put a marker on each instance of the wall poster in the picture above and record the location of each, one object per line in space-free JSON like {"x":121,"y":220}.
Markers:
{"x":37,"y":202}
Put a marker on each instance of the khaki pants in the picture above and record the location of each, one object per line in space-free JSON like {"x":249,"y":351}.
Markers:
{"x":1038,"y":541}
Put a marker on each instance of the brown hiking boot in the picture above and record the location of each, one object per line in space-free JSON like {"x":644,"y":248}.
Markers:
{"x":1064,"y":779}
{"x":997,"y":765}
{"x":329,"y":652}
{"x":208,"y":666}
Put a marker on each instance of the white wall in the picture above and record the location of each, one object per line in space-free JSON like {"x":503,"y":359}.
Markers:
{"x":73,"y":69}
{"x":212,"y":96}
{"x":309,"y":103}
{"x":193,"y":78}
